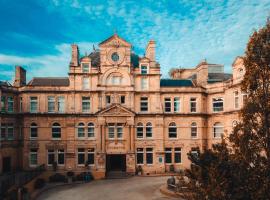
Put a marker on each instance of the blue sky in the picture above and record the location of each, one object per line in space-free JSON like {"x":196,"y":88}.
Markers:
{"x":37,"y":34}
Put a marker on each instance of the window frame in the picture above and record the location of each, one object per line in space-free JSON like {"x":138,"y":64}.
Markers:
{"x":144,"y":104}
{"x":178,"y":151}
{"x":193,"y":126}
{"x":10,"y":104}
{"x":167,"y":105}
{"x":33,"y":101}
{"x":33,"y":151}
{"x":80,"y":127}
{"x":168,"y":151}
{"x":215,"y":126}
{"x":148,"y":126}
{"x":91,"y":126}
{"x":86,"y":103}
{"x":33,"y":126}
{"x":193,"y":104}
{"x":140,"y":151}
{"x":56,"y":125}
{"x":140,"y":126}
{"x":217,"y":100}
{"x":86,"y":83}
{"x":51,"y":100}
{"x":172,"y":125}
{"x":176,"y":104}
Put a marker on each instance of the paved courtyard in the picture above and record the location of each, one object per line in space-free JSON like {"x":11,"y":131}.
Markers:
{"x":137,"y":188}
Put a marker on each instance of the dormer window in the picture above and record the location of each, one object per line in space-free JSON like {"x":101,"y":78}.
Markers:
{"x":85,"y":67}
{"x":144,"y":69}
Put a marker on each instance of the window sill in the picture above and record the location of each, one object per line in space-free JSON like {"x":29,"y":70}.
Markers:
{"x":56,"y":138}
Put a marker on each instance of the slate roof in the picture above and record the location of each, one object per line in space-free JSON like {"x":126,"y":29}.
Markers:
{"x":4,"y":83}
{"x":49,"y":81}
{"x":176,"y":83}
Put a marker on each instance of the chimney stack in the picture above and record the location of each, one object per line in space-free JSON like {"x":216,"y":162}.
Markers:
{"x":150,"y":50}
{"x":20,"y":77}
{"x":75,"y":55}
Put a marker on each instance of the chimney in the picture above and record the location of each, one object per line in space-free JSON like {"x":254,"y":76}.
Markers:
{"x":75,"y":55}
{"x":150,"y":50}
{"x":20,"y":77}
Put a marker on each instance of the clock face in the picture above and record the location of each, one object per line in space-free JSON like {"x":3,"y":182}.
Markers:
{"x":115,"y":57}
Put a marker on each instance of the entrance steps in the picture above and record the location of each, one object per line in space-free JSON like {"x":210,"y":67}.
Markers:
{"x":117,"y":175}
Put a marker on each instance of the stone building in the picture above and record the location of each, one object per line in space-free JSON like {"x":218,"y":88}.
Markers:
{"x":114,"y":112}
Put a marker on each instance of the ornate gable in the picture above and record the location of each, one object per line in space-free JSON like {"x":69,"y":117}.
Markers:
{"x":115,"y":110}
{"x":115,"y":41}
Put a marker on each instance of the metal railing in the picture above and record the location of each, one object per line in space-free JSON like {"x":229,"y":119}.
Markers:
{"x":18,"y":179}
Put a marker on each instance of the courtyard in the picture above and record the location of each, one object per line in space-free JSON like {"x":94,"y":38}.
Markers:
{"x":137,"y":188}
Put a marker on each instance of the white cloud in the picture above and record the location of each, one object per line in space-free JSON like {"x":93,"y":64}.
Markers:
{"x":45,"y":65}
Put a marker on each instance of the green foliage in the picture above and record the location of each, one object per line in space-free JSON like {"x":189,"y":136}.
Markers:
{"x":241,"y":171}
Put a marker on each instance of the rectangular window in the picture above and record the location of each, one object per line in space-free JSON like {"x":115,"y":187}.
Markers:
{"x":144,"y":104}
{"x":144,"y":83}
{"x":108,"y":100}
{"x":85,"y":104}
{"x":143,"y":69}
{"x":119,"y":131}
{"x":85,"y":67}
{"x":193,"y":105}
{"x":10,"y":132}
{"x":51,"y":104}
{"x":91,"y":156}
{"x":176,"y":102}
{"x":140,"y":131}
{"x":86,"y":83}
{"x":3,"y":104}
{"x":122,"y":99}
{"x":33,"y":104}
{"x":236,"y":100}
{"x":91,"y":130}
{"x":50,"y":157}
{"x":168,"y":155}
{"x":148,"y":130}
{"x":10,"y":104}
{"x":195,"y":151}
{"x":3,"y":131}
{"x":172,"y":132}
{"x":81,"y":156}
{"x":33,"y":157}
{"x":177,"y":155}
{"x":217,"y":104}
{"x":61,"y":157}
{"x":139,"y":155}
{"x":167,"y":104}
{"x":111,"y":131}
{"x":61,"y":104}
{"x":244,"y":98}
{"x":149,"y":155}
{"x":33,"y":132}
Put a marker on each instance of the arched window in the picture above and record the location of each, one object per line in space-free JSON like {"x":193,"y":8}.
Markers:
{"x":172,"y":130}
{"x":194,"y":130}
{"x":218,"y":130}
{"x":33,"y":131}
{"x":149,"y":130}
{"x":91,"y":130}
{"x":139,"y":130}
{"x":80,"y":130}
{"x":56,"y":131}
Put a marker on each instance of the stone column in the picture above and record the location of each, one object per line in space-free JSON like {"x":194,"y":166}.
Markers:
{"x":103,"y":147}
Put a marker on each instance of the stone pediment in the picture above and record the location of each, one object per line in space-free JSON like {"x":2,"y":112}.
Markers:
{"x":115,"y":41}
{"x":115,"y":110}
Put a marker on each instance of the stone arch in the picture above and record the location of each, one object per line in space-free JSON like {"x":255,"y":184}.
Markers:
{"x":126,"y":78}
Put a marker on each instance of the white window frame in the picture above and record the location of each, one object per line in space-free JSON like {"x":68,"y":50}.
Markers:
{"x":149,"y":126}
{"x":140,"y":151}
{"x":172,"y":125}
{"x":61,"y":104}
{"x":81,"y":153}
{"x":30,"y":155}
{"x":144,"y":100}
{"x":51,"y":100}
{"x":149,"y":150}
{"x":145,"y":70}
{"x":85,"y":65}
{"x":176,"y":104}
{"x":177,"y":151}
{"x":119,"y":131}
{"x":192,"y":102}
{"x":144,"y":83}
{"x":139,"y":125}
{"x":86,"y":103}
{"x":218,"y":100}
{"x":33,"y":101}
{"x":85,"y":83}
{"x":216,"y":126}
{"x":81,"y":126}
{"x":167,"y":101}
{"x":50,"y":152}
{"x":59,"y":152}
{"x":193,"y":127}
{"x":91,"y":151}
{"x":56,"y":126}
{"x":91,"y":126}
{"x":10,"y":131}
{"x":32,"y":126}
{"x":168,"y":151}
{"x":10,"y":104}
{"x":110,"y":133}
